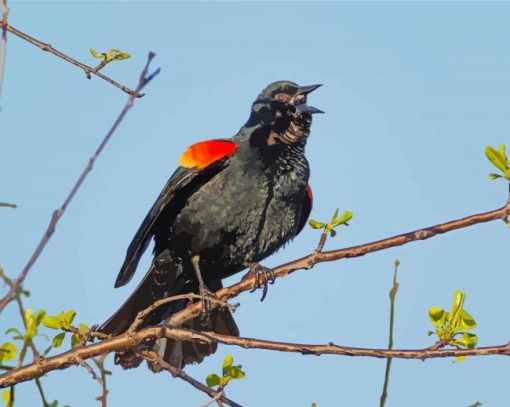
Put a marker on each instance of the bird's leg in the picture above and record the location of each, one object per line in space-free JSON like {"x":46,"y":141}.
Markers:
{"x":204,"y":291}
{"x":261,"y":272}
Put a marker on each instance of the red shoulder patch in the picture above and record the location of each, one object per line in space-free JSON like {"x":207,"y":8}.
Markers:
{"x":202,"y":154}
{"x":309,"y":194}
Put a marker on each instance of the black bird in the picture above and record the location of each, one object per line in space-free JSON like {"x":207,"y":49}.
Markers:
{"x":230,"y":204}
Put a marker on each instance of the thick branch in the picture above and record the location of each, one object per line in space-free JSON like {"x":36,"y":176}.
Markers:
{"x":309,"y":261}
{"x":57,"y":214}
{"x":133,"y":340}
{"x":87,"y":69}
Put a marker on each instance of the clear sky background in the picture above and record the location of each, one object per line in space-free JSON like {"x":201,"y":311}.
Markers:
{"x":413,"y":92}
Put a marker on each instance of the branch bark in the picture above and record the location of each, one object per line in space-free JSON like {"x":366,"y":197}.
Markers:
{"x":57,"y":214}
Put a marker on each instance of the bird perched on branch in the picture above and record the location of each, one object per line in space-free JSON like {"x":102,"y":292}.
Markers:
{"x":230,"y":204}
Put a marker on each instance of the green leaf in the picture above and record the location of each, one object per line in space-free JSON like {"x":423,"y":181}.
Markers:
{"x":213,"y":380}
{"x":467,"y":322}
{"x":121,"y":56}
{"x":335,"y":215}
{"x":227,"y":364}
{"x":69,"y":316}
{"x":346,"y":217}
{"x":332,"y":232}
{"x":495,"y":176}
{"x":496,"y":158}
{"x":96,"y":54}
{"x":58,"y":339}
{"x":315,"y":224}
{"x":506,"y":174}
{"x":13,"y":330}
{"x":8,"y":352}
{"x":84,"y":328}
{"x":29,"y":315}
{"x":75,"y":340}
{"x":467,"y":340}
{"x":437,"y":316}
{"x":38,"y":317}
{"x":458,"y":302}
{"x":6,"y":397}
{"x":459,"y":359}
{"x":502,"y":151}
{"x":236,"y":372}
{"x":52,"y":322}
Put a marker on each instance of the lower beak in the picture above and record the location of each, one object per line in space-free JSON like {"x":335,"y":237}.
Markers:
{"x":304,"y":108}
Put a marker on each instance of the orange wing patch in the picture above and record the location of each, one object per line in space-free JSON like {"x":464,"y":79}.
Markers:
{"x":202,"y":154}
{"x":309,"y":194}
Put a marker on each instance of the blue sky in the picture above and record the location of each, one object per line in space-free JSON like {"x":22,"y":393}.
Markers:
{"x":413,"y":92}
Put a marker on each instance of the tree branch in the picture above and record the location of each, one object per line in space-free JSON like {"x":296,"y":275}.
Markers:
{"x":57,"y":214}
{"x":307,"y":262}
{"x":127,"y":341}
{"x":87,"y":69}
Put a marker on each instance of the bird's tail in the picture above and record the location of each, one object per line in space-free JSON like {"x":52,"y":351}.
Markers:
{"x":176,"y":353}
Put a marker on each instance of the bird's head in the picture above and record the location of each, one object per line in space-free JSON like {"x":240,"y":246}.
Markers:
{"x":282,"y":109}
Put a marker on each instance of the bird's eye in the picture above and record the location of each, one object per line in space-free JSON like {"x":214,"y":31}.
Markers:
{"x":281,"y":97}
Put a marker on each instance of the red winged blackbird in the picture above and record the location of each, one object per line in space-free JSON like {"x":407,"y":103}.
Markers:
{"x":230,"y":204}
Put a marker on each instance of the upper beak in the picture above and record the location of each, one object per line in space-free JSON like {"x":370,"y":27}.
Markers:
{"x":305,"y":90}
{"x":304,"y":108}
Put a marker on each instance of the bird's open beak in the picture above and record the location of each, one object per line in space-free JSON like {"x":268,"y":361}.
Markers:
{"x":304,"y":108}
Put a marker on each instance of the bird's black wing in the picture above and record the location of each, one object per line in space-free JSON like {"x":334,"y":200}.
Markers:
{"x":306,"y":208}
{"x":179,"y":187}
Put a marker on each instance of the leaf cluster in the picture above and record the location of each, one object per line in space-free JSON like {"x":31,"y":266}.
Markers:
{"x":452,"y":326}
{"x":335,"y":222}
{"x":109,"y":56}
{"x":499,"y":159}
{"x":230,"y":372}
{"x":64,"y":322}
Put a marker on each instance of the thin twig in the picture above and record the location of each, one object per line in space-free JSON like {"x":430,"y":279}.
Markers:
{"x":322,"y":242}
{"x":3,"y":47}
{"x":89,"y":369}
{"x":393,"y":294}
{"x":216,"y":398}
{"x":41,"y":393}
{"x":57,"y":214}
{"x":7,"y":204}
{"x":131,"y":341}
{"x":175,"y":372}
{"x":190,"y":296}
{"x":100,"y":365}
{"x":87,"y":69}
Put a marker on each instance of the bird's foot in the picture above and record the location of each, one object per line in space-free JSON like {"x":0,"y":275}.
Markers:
{"x":205,"y":313}
{"x":263,"y":277}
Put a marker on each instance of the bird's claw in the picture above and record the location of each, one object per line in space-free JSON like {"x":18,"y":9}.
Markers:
{"x":267,"y":276}
{"x":205,"y":313}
